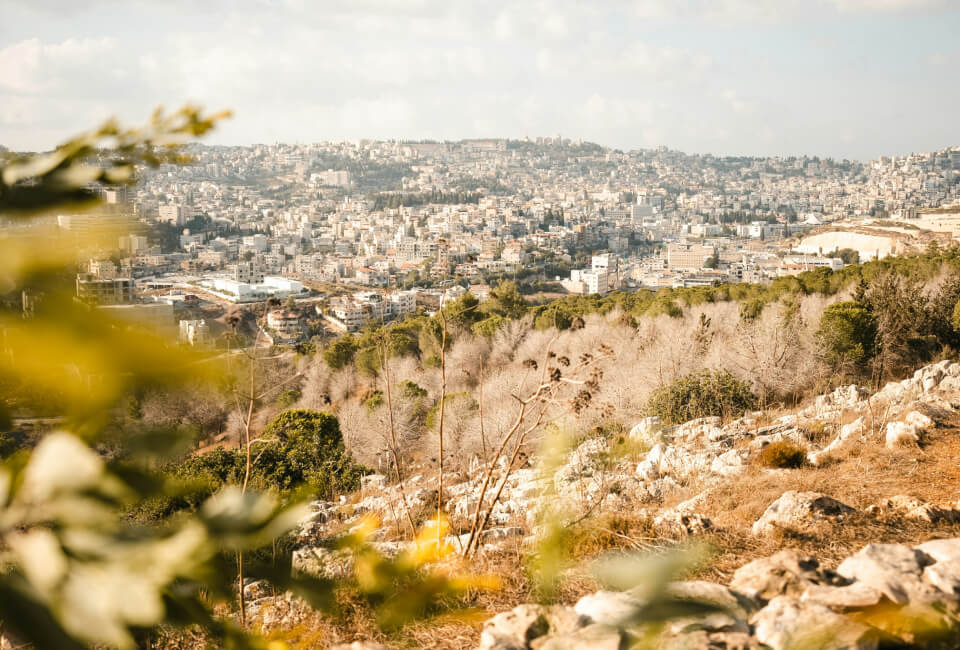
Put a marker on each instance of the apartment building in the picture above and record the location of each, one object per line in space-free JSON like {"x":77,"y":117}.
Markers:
{"x":248,"y":273}
{"x":688,"y":256}
{"x":104,"y":291}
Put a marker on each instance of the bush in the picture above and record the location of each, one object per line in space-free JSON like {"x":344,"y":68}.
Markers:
{"x":701,"y":394}
{"x":782,"y":455}
{"x":373,"y":400}
{"x":287,"y":398}
{"x":818,"y":432}
{"x":298,"y":448}
{"x":412,"y":390}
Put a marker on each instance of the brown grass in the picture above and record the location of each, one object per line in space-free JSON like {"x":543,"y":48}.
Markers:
{"x":819,"y":433}
{"x":860,"y":479}
{"x":863,"y":477}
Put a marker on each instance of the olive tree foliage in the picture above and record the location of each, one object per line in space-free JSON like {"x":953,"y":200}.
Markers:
{"x":108,"y":156}
{"x":75,"y":569}
{"x":75,"y":572}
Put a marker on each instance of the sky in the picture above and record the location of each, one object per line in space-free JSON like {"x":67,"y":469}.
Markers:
{"x":840,"y":78}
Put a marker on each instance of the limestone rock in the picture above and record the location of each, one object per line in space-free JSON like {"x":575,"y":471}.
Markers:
{"x":847,"y":432}
{"x":787,"y":623}
{"x":516,"y":629}
{"x":373,"y":482}
{"x":901,"y":434}
{"x":914,"y":508}
{"x":841,"y":599}
{"x":688,"y":639}
{"x":713,"y":622}
{"x":609,"y":607}
{"x":892,"y":569}
{"x":944,"y":576}
{"x":799,"y":511}
{"x":256,"y":589}
{"x":591,"y":637}
{"x":725,"y":598}
{"x":919,"y":421}
{"x":729,"y":463}
{"x":784,"y":573}
{"x":941,"y":550}
{"x":322,"y":562}
{"x":583,"y":462}
{"x":682,"y":523}
{"x":647,"y":431}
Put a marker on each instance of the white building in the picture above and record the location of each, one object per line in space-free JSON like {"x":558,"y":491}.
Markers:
{"x":347,"y":315}
{"x":248,"y":273}
{"x":172,"y":213}
{"x":401,"y":303}
{"x":332,"y":178}
{"x":285,"y":323}
{"x":583,"y":281}
{"x":257,"y":242}
{"x":271,"y":287}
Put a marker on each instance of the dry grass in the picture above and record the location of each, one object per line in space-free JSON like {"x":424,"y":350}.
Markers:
{"x":860,"y":479}
{"x":865,"y":476}
{"x":819,"y":433}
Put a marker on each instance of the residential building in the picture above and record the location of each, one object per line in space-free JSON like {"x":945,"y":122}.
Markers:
{"x":104,"y":291}
{"x":688,"y":256}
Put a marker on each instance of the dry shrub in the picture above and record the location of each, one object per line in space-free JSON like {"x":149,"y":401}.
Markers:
{"x":819,"y":433}
{"x":782,"y":455}
{"x":608,"y":532}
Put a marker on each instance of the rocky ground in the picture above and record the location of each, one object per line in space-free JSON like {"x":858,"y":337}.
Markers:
{"x":858,"y":547}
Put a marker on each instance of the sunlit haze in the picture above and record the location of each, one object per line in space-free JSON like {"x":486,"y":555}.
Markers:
{"x":842,"y":78}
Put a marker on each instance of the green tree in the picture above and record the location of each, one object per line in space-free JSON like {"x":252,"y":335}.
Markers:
{"x":340,"y":353}
{"x":464,"y":311}
{"x":304,"y":447}
{"x":367,"y":361}
{"x":506,"y":301}
{"x":847,"y":333}
{"x":488,"y":326}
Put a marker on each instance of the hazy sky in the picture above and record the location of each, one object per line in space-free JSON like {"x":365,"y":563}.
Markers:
{"x":841,"y":78}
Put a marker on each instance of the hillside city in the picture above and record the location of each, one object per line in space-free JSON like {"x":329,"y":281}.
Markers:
{"x":354,"y":231}
{"x":511,"y":325}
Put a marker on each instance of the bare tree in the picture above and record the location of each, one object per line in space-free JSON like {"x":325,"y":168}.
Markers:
{"x":534,"y":408}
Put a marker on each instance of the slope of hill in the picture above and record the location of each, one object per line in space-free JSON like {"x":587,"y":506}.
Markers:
{"x":835,"y":549}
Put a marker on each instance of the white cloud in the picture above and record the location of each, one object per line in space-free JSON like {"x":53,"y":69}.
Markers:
{"x":773,"y":11}
{"x":890,"y":5}
{"x":615,"y":113}
{"x":32,"y":67}
{"x":625,"y":74}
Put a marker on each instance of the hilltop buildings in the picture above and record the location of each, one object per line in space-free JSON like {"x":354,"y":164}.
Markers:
{"x":257,"y":222}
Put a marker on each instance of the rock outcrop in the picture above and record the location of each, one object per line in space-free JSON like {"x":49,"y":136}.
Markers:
{"x":800,"y":511}
{"x":779,"y":601}
{"x":885,"y":594}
